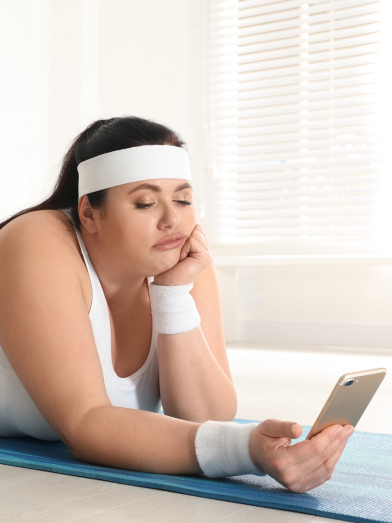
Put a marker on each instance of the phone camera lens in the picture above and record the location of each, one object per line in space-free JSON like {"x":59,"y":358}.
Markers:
{"x":349,"y":382}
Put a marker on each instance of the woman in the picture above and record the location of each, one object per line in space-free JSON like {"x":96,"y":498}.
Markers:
{"x":100,"y":322}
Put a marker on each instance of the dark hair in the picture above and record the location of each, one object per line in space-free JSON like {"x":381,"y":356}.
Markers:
{"x":100,"y":137}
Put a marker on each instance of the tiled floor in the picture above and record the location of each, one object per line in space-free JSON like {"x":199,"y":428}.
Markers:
{"x":283,"y":382}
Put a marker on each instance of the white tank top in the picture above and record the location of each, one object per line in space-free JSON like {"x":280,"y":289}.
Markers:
{"x":19,"y":415}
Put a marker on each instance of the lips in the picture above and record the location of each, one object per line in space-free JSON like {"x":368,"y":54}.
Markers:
{"x":172,"y":238}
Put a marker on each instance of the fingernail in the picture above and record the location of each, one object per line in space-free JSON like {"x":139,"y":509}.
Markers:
{"x":292,"y":428}
{"x":338,"y":430}
{"x":350,"y":431}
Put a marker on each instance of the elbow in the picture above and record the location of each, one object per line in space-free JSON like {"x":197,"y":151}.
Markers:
{"x":82,"y":434}
{"x":76,"y":451}
{"x":224,"y":412}
{"x":231,"y":407}
{"x":69,"y":441}
{"x":69,"y":445}
{"x":228,"y":413}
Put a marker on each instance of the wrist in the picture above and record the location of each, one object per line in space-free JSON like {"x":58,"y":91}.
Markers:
{"x":222,"y":449}
{"x":251,"y":452}
{"x":173,"y":309}
{"x":165,"y":282}
{"x":157,"y":281}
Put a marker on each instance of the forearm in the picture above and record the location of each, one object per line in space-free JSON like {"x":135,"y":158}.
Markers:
{"x":136,"y":440}
{"x":192,"y":383}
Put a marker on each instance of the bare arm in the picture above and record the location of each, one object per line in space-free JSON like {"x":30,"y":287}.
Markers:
{"x":195,"y":384}
{"x":194,"y":373}
{"x":137,"y":440}
{"x":46,"y":334}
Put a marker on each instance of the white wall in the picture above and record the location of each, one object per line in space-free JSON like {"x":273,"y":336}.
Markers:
{"x":66,"y":63}
{"x":80,"y":60}
{"x":342,"y":304}
{"x":145,"y":65}
{"x":328,"y":304}
{"x":24,"y":69}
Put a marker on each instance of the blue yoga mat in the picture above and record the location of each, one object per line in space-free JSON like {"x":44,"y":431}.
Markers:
{"x":360,"y":489}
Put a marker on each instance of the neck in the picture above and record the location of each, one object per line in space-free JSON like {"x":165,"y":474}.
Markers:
{"x":122,"y":291}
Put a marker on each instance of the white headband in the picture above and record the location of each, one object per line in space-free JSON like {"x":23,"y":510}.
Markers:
{"x":145,"y":162}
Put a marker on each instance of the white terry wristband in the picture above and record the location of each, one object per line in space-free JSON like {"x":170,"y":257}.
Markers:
{"x":173,"y":308}
{"x":222,"y":449}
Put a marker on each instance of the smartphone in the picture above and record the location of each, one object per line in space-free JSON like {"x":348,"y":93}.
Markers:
{"x":349,"y":399}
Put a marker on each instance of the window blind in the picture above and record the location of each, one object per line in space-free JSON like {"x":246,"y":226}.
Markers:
{"x":293,"y":118}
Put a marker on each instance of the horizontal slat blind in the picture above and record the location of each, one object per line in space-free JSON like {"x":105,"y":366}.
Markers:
{"x":293,"y":121}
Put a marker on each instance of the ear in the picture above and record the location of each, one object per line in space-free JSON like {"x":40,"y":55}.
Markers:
{"x":87,"y":215}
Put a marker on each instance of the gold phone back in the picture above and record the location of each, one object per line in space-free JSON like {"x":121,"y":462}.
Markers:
{"x":347,"y":403}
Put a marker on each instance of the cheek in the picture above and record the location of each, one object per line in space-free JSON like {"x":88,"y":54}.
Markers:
{"x":135,"y":238}
{"x":138,"y":234}
{"x":190,"y":219}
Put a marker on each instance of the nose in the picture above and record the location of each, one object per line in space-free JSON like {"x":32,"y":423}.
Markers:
{"x":169,"y":218}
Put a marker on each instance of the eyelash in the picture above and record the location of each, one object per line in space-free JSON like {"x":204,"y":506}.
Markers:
{"x":147,"y":205}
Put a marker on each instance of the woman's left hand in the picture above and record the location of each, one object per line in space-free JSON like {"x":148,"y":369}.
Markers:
{"x":194,"y":259}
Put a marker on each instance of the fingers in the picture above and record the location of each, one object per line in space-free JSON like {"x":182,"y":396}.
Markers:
{"x":275,"y":428}
{"x":319,"y":467}
{"x":327,"y":468}
{"x":318,"y":448}
{"x":200,"y":229}
{"x":183,"y":254}
{"x":313,"y":454}
{"x":324,"y":472}
{"x":196,"y":247}
{"x":304,"y":465}
{"x":199,"y":235}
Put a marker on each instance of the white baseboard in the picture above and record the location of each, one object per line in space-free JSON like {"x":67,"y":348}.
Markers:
{"x":341,"y":334}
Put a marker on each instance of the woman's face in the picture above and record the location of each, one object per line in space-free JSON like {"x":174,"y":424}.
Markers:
{"x":139,"y":215}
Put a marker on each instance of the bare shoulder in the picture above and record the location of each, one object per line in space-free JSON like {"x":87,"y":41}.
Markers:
{"x":37,"y":226}
{"x":42,"y":242}
{"x":46,"y":237}
{"x":45,"y":330}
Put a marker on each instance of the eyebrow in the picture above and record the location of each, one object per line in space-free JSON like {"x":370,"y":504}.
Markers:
{"x":156,"y":188}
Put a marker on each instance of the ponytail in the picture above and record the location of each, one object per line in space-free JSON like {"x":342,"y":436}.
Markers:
{"x":100,"y":137}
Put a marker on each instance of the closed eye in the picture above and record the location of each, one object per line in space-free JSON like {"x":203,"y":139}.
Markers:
{"x":147,"y":205}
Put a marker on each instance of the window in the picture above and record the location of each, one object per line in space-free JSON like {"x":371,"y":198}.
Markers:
{"x":296,"y":110}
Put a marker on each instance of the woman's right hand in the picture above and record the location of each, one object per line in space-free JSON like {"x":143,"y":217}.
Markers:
{"x":195,"y":257}
{"x":302,"y":466}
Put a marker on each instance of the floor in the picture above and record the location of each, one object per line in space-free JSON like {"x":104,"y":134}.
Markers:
{"x":286,"y":382}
